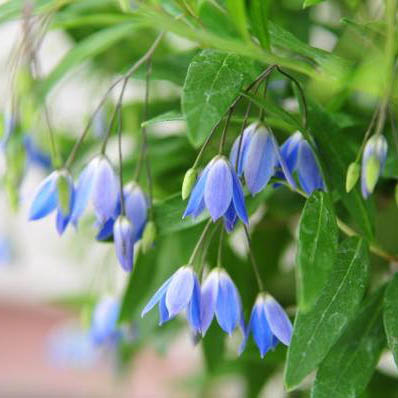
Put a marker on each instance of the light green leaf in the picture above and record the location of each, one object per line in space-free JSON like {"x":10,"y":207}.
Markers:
{"x":348,"y":367}
{"x":391,"y":316}
{"x":238,"y":13}
{"x":309,"y":3}
{"x":259,"y":21}
{"x":317,"y":248}
{"x":213,"y":80}
{"x":316,"y":331}
{"x":84,"y":50}
{"x":164,"y":117}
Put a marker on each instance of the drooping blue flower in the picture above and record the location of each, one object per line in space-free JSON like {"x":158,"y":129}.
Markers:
{"x":220,"y":297}
{"x":56,"y":191}
{"x":97,"y":182}
{"x":9,"y":123}
{"x":36,"y":155}
{"x":180,"y":292}
{"x":219,"y":190}
{"x":373,"y":162}
{"x":136,"y":206}
{"x":124,"y":237}
{"x":298,"y":156}
{"x":104,"y":327}
{"x":259,"y":158}
{"x":268,"y":324}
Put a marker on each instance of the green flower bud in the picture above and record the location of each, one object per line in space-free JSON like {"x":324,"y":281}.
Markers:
{"x":372,"y":172}
{"x":64,"y":191}
{"x":149,"y":236}
{"x":352,"y":176}
{"x":188,"y":183}
{"x":24,"y":81}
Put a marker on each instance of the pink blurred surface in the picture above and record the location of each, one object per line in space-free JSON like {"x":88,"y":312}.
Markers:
{"x":27,"y":371}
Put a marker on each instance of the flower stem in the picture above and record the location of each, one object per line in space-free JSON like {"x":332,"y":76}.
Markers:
{"x":253,"y":261}
{"x":199,"y":243}
{"x":220,"y":244}
{"x":126,"y":76}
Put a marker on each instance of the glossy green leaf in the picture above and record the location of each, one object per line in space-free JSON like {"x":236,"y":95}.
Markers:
{"x":391,"y":316}
{"x":259,"y":10}
{"x":213,"y":80}
{"x":84,"y":50}
{"x":164,"y":117}
{"x":316,"y":331}
{"x":309,"y":3}
{"x":317,"y":248}
{"x":348,"y":367}
{"x":237,"y":10}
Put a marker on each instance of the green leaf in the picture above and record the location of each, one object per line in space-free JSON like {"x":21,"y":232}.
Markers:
{"x":92,"y":45}
{"x":309,"y":3}
{"x":391,"y":316}
{"x":317,"y":248}
{"x":213,"y":80}
{"x":348,"y":367}
{"x":164,"y":117}
{"x":259,"y":10}
{"x":336,"y":154}
{"x":238,"y":13}
{"x":316,"y":331}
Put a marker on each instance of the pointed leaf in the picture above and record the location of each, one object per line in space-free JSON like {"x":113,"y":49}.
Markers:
{"x":391,"y":316}
{"x":213,"y":80}
{"x":316,"y":331}
{"x":317,"y":247}
{"x":348,"y":367}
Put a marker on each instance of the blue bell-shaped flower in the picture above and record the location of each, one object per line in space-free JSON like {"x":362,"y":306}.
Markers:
{"x":219,"y":190}
{"x":180,"y":292}
{"x":104,"y":328}
{"x":259,"y":157}
{"x":268,"y":324}
{"x":220,"y":297}
{"x":136,"y":206}
{"x":55,"y":192}
{"x":123,"y":234}
{"x":99,"y":183}
{"x":373,"y":162}
{"x":299,"y":157}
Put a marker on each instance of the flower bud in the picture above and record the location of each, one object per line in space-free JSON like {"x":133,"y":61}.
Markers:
{"x":352,"y":176}
{"x":188,"y":183}
{"x":123,"y":234}
{"x":373,"y":161}
{"x":64,"y":192}
{"x":148,"y":236}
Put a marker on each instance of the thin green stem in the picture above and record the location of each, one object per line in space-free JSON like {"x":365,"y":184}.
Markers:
{"x":126,"y":76}
{"x":199,"y":243}
{"x":224,"y":132}
{"x":220,"y":245}
{"x":253,"y":261}
{"x":367,"y":134}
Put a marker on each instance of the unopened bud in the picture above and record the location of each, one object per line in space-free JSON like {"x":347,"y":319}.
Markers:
{"x":149,"y":236}
{"x":188,"y":183}
{"x":372,"y":172}
{"x":64,"y":192}
{"x":352,"y":176}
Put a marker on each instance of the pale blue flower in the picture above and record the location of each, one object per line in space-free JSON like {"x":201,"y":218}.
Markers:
{"x":181,"y":292}
{"x":124,"y":237}
{"x":268,"y":324}
{"x":219,"y":190}
{"x":220,"y":297}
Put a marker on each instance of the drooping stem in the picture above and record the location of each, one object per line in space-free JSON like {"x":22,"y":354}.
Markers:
{"x":126,"y":76}
{"x":224,"y":132}
{"x":199,"y":243}
{"x":220,"y":244}
{"x":253,"y":261}
{"x":120,"y":127}
{"x":367,"y":133}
